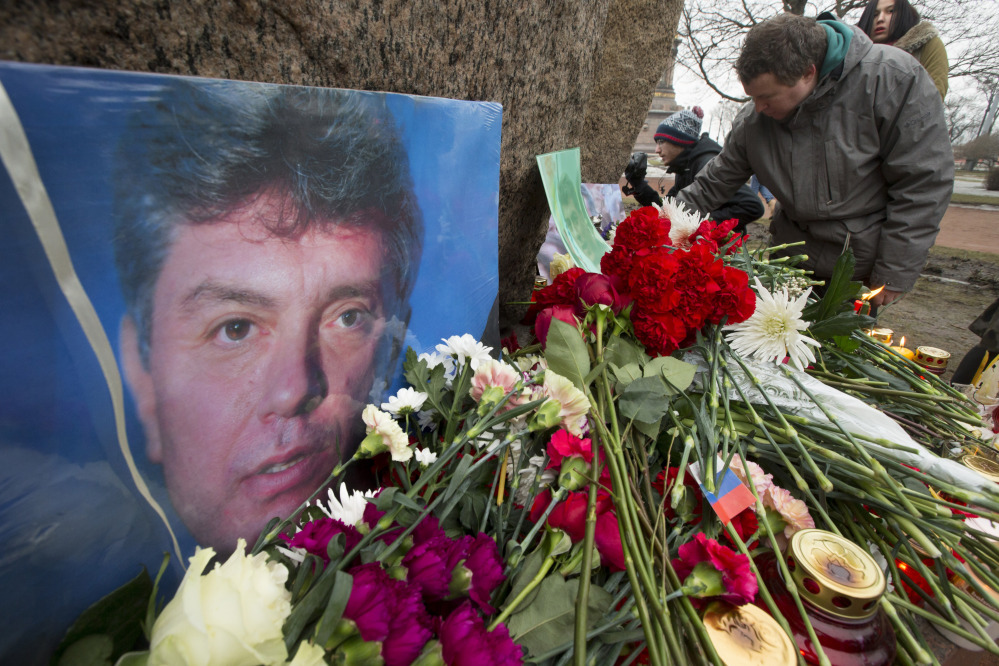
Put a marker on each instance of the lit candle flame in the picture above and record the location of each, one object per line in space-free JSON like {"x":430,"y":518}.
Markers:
{"x":901,"y":343}
{"x":871,"y":294}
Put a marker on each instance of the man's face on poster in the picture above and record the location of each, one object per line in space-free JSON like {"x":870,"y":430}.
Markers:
{"x":261,"y":356}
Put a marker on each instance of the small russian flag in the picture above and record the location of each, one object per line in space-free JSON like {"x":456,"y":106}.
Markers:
{"x":733,"y":496}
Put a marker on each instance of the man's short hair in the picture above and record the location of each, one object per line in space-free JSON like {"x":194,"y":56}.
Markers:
{"x":206,"y":148}
{"x":785,"y":46}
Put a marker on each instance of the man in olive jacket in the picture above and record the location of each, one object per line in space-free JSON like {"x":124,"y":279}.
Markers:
{"x":852,"y":140}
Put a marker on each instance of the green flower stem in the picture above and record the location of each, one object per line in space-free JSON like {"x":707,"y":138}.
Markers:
{"x":763,"y":592}
{"x":862,"y":451}
{"x":546,"y":566}
{"x":897,"y":601}
{"x":636,"y":565}
{"x":799,"y":482}
{"x":583,"y":593}
{"x":642,"y":580}
{"x":557,"y":497}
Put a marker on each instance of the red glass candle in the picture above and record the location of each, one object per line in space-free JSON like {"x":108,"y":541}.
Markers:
{"x":840,"y":585}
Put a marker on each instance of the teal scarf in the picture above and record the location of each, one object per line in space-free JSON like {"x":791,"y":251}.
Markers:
{"x":839,"y":35}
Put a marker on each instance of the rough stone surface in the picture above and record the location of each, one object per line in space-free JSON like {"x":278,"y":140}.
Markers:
{"x":567,"y":73}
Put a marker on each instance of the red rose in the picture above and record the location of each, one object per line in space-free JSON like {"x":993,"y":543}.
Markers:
{"x":562,"y":291}
{"x":544,"y":321}
{"x":607,"y":538}
{"x":598,"y":289}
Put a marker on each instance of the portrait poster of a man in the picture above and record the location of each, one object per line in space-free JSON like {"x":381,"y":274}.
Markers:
{"x":258,"y":258}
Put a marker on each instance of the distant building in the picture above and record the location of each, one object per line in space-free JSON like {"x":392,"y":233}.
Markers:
{"x":663,"y":106}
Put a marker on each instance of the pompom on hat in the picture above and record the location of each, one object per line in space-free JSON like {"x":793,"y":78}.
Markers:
{"x":683,"y":128}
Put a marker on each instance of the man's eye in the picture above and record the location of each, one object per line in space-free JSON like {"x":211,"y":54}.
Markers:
{"x":236,"y":329}
{"x":350,"y":318}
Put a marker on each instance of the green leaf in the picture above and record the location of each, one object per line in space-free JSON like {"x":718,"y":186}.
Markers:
{"x":678,"y":374}
{"x":846,"y":343}
{"x":566,"y":353}
{"x":549,"y":620}
{"x":528,"y":570}
{"x":472,"y":510}
{"x":650,"y":430}
{"x":342,"y":584}
{"x":843,"y":323}
{"x":117,"y":616}
{"x":621,"y":351}
{"x":92,"y":650}
{"x":644,"y":399}
{"x":133,"y":659}
{"x":840,"y":291}
{"x":627,"y":373}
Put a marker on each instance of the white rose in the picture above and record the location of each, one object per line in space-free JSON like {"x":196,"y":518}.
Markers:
{"x":233,"y":615}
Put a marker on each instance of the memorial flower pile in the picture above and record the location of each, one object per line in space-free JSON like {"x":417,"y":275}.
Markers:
{"x":587,"y":498}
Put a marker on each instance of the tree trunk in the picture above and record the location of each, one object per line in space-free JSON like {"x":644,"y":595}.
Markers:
{"x":567,"y":73}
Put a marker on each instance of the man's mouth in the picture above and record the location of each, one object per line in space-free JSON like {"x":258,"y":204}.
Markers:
{"x":302,"y":469}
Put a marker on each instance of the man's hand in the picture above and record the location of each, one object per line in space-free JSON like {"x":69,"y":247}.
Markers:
{"x":885,"y":297}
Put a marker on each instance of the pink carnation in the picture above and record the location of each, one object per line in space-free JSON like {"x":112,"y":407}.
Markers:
{"x":793,"y":511}
{"x":496,"y":374}
{"x":761,"y":480}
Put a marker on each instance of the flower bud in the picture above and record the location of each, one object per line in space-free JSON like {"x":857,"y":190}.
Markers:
{"x":357,"y":652}
{"x":574,"y":473}
{"x":461,"y":581}
{"x":371,"y":446}
{"x":491,"y":396}
{"x":704,"y":581}
{"x":433,"y":655}
{"x":547,"y":416}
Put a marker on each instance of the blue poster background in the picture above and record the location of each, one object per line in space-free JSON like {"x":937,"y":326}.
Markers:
{"x":71,"y":521}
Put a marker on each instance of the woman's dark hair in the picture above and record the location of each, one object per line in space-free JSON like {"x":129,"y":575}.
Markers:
{"x":904,"y":17}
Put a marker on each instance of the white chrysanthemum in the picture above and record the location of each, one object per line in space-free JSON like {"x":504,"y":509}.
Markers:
{"x":406,"y":401}
{"x":465,"y":348}
{"x":425,"y":457}
{"x":392,"y":435}
{"x":348,"y":507}
{"x":682,"y":222}
{"x":574,"y":403}
{"x":774,"y":330}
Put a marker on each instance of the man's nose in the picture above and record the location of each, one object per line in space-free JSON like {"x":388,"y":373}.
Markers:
{"x":295,"y":382}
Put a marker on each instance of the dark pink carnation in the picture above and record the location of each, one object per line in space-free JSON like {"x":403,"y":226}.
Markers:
{"x":486,"y":567}
{"x":427,"y":566}
{"x":315,"y":536}
{"x":465,"y":641}
{"x":366,"y":606}
{"x":409,"y":629}
{"x":738,"y":580}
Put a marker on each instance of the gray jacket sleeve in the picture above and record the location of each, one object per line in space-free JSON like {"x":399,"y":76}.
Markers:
{"x":918,"y":165}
